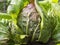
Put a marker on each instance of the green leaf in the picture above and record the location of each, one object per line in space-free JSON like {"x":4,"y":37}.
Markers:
{"x":5,"y":16}
{"x":3,"y":32}
{"x":56,"y":32}
{"x":48,"y":22}
{"x":54,"y":1}
{"x":58,"y":44}
{"x":22,"y":36}
{"x":16,"y":6}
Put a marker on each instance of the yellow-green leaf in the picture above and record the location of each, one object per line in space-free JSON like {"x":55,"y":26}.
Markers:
{"x":22,"y":36}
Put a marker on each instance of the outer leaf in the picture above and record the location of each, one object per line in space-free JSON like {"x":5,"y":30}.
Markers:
{"x":48,"y":22}
{"x":56,"y":33}
{"x":15,"y":7}
{"x":3,"y":32}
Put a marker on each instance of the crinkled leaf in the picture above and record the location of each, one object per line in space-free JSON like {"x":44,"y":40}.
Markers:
{"x":48,"y":22}
{"x":3,"y":31}
{"x":56,"y":33}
